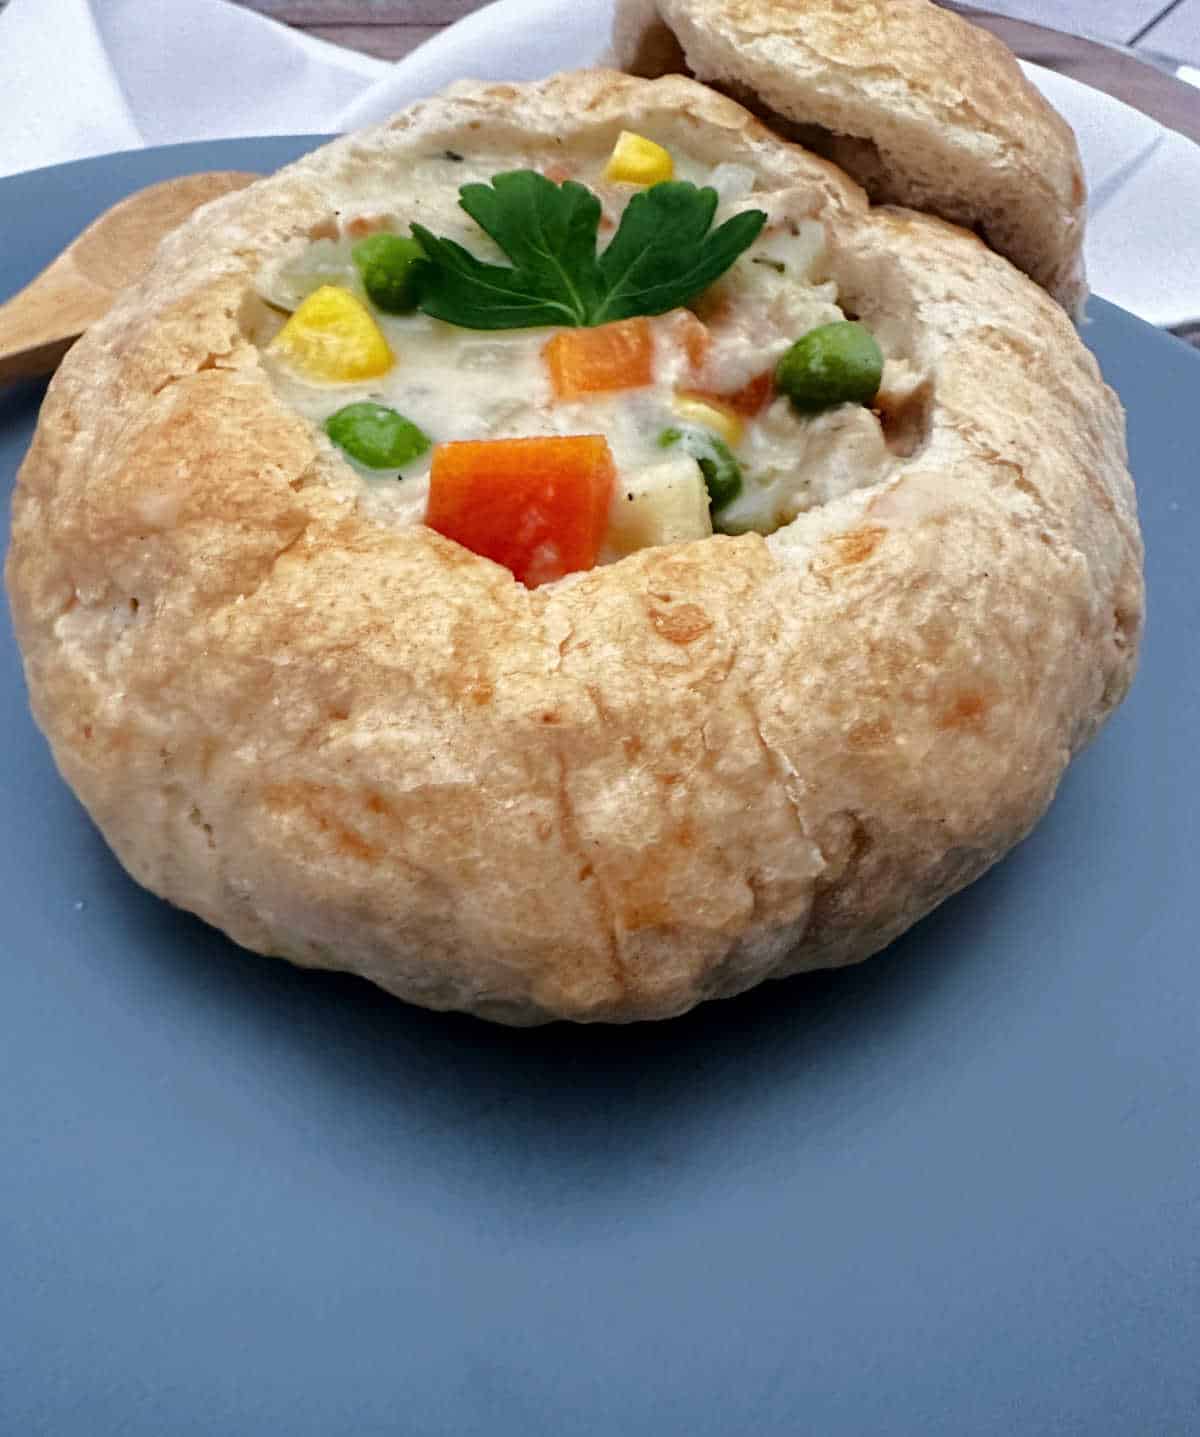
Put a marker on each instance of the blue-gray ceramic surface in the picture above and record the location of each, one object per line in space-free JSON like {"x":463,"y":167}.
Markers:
{"x":951,"y":1191}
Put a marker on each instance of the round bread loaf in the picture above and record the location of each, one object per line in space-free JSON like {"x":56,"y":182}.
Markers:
{"x":354,"y":744}
{"x":921,"y":107}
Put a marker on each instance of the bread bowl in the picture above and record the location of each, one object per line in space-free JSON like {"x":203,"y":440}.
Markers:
{"x":296,"y":710}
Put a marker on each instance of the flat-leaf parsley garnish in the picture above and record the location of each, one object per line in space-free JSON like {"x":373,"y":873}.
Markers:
{"x":663,"y":254}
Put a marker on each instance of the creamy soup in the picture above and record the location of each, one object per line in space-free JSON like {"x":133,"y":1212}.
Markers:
{"x":707,"y":389}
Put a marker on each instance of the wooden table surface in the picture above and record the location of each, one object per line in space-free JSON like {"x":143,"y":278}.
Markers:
{"x":388,"y":29}
{"x":391,"y":28}
{"x":1130,"y":30}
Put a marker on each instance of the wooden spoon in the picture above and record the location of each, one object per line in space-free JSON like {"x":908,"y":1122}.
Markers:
{"x":40,"y":323}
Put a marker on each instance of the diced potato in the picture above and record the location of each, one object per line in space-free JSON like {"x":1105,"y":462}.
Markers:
{"x":710,"y":414}
{"x":636,"y":160}
{"x":332,"y":337}
{"x":664,"y":504}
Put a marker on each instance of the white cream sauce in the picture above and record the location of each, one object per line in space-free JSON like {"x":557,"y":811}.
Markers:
{"x":464,"y":384}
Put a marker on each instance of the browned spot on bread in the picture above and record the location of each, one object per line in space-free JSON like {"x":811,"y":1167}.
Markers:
{"x":632,"y":746}
{"x":480,"y":693}
{"x":869,"y":733}
{"x":376,"y":804}
{"x":682,"y":625}
{"x":936,"y":636}
{"x":853,"y":547}
{"x":350,"y":843}
{"x":551,"y":717}
{"x":966,"y":712}
{"x":311,"y":802}
{"x":893,"y":660}
{"x":640,"y":912}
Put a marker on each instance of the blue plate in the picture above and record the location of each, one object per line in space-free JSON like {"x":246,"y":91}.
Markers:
{"x":954,"y":1190}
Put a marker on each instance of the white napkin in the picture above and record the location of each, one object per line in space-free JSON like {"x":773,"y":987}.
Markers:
{"x":86,"y":77}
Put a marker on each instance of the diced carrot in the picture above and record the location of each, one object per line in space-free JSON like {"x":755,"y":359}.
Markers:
{"x":690,"y":334}
{"x":595,"y":361}
{"x":753,"y":397}
{"x":537,"y":506}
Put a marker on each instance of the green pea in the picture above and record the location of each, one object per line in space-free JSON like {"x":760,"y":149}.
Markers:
{"x":834,"y":364}
{"x":722,"y":473}
{"x":375,"y":436}
{"x":390,"y":267}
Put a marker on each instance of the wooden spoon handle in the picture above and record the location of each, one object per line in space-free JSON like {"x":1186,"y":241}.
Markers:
{"x":40,"y":323}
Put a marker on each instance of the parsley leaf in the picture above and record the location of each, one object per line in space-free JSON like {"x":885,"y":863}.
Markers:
{"x":550,"y":235}
{"x":663,"y":254}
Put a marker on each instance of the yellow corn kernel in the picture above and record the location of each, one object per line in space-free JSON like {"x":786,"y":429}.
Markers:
{"x":636,"y":160}
{"x":333,"y":337}
{"x":709,"y":414}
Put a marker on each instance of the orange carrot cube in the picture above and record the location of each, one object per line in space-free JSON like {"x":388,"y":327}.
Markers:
{"x":753,"y":397}
{"x":583,"y":362}
{"x":537,"y":506}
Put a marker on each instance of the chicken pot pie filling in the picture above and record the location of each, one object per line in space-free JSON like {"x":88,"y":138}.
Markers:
{"x":715,"y":386}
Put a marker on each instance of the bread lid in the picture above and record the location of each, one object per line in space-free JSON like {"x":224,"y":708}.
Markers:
{"x":922,"y":108}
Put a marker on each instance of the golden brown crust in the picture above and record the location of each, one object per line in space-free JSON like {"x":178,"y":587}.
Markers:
{"x":921,"y":107}
{"x":360,"y":746}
